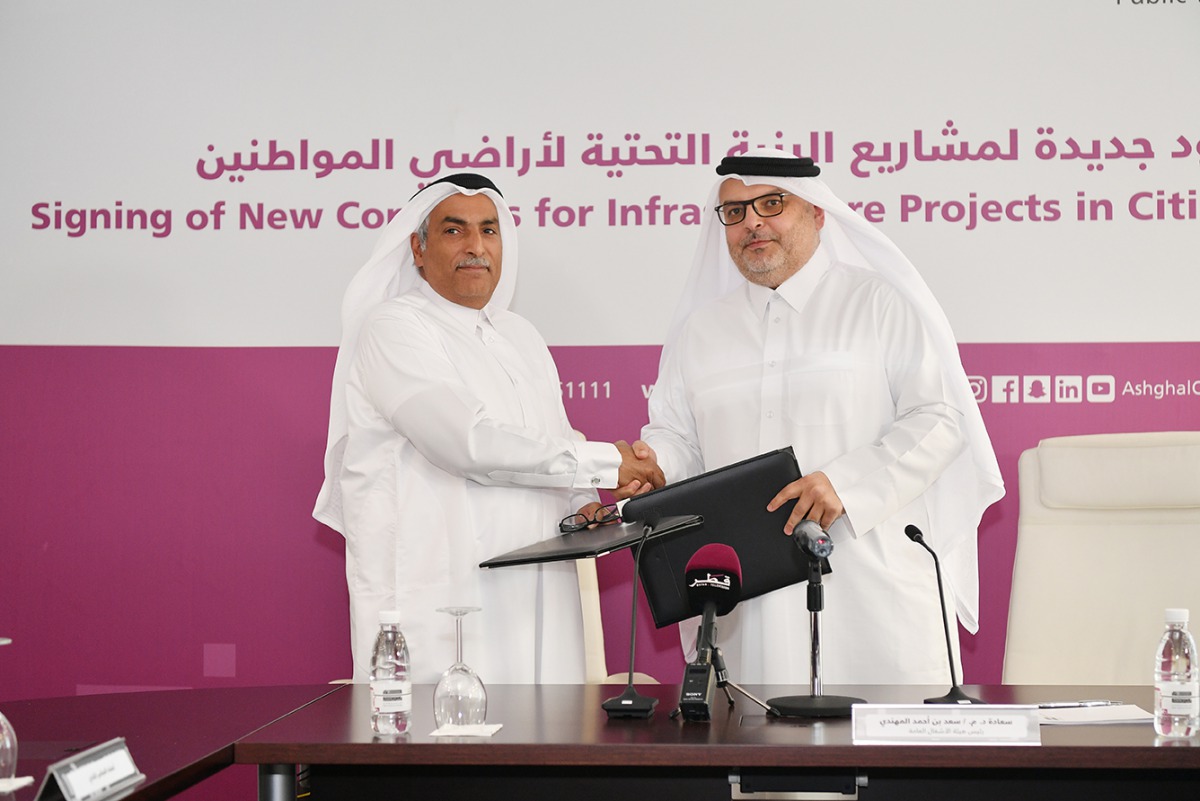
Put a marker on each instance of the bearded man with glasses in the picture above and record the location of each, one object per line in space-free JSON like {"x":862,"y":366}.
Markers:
{"x":802,"y":325}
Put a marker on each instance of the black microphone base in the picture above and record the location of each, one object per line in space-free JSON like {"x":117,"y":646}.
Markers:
{"x":812,"y":706}
{"x":630,"y":704}
{"x":955,"y":696}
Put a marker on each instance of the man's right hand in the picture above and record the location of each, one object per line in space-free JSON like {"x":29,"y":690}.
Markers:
{"x":639,"y":471}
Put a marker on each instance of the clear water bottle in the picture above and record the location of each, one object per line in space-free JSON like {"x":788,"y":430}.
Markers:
{"x":391,"y":682}
{"x":1176,"y":679}
{"x":8,"y":741}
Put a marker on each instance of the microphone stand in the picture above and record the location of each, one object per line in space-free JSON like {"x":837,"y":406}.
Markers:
{"x":815,"y":704}
{"x":631,"y":703}
{"x":956,"y":694}
{"x":724,"y":683}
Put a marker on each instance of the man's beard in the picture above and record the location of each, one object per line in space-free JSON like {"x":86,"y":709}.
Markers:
{"x":761,"y":268}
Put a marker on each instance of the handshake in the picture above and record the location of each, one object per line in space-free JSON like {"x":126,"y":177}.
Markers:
{"x":639,"y":471}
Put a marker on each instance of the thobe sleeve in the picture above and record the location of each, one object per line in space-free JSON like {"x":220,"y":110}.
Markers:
{"x":412,"y":381}
{"x":672,"y":431}
{"x":875,"y":481}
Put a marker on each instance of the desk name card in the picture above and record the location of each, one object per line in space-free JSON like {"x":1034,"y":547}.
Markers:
{"x":100,"y":773}
{"x":945,"y":724}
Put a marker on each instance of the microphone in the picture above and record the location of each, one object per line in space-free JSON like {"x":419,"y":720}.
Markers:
{"x":814,"y":543}
{"x":956,"y":694}
{"x":812,"y":540}
{"x":714,"y":586}
{"x":713,"y":578}
{"x":631,"y":703}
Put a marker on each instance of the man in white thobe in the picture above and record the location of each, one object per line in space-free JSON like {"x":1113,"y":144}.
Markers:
{"x":803,"y":326}
{"x":449,"y":445}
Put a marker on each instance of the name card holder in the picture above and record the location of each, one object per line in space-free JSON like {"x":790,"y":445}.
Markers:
{"x":945,"y":724}
{"x":101,"y":773}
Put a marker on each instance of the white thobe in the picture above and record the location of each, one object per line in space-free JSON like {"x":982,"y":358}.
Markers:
{"x":837,"y":365}
{"x":459,"y":450}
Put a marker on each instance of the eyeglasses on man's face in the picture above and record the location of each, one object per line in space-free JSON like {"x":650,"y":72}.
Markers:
{"x":603,"y":516}
{"x":734,"y":211}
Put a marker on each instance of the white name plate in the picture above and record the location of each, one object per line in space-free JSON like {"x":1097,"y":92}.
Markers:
{"x":100,"y":773}
{"x":945,"y":724}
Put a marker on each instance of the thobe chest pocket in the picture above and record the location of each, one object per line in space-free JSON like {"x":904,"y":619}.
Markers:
{"x":819,"y":388}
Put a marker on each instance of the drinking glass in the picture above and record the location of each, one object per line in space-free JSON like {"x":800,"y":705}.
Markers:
{"x":459,"y":698}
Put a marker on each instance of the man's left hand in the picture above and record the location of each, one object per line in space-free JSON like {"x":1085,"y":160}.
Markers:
{"x":816,"y":500}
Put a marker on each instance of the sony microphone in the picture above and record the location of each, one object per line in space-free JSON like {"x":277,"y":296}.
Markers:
{"x":713,"y":578}
{"x":812,"y":539}
{"x":956,"y":694}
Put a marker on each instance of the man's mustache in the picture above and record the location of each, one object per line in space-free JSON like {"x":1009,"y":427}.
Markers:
{"x":750,"y":239}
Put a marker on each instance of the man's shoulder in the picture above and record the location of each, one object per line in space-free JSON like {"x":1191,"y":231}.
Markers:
{"x":409,"y":311}
{"x":855,"y":275}
{"x":709,"y":324}
{"x":866,"y":290}
{"x":410,"y":303}
{"x":511,"y":318}
{"x":515,"y":326}
{"x":729,"y":304}
{"x":855,"y":280}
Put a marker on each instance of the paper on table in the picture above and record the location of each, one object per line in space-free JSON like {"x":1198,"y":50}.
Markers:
{"x":12,"y":785}
{"x":1086,"y":715}
{"x":477,"y":730}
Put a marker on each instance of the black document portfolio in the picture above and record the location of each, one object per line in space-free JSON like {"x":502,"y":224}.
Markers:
{"x":732,"y":500}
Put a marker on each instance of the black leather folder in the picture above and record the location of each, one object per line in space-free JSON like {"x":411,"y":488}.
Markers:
{"x":732,"y":501}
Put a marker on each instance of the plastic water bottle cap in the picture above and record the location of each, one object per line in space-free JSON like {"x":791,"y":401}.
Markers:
{"x":391,"y":617}
{"x":1177,"y":616}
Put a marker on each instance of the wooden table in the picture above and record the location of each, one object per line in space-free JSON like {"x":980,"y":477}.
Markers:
{"x":556,"y":742}
{"x":176,"y":737}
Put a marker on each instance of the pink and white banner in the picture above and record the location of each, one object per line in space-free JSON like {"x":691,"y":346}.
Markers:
{"x":190,"y":187}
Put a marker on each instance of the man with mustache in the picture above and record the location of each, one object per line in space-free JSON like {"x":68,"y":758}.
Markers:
{"x":802,"y":325}
{"x":449,"y":444}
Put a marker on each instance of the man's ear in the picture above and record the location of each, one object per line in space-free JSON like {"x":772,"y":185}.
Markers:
{"x":414,"y":242}
{"x":819,"y":216}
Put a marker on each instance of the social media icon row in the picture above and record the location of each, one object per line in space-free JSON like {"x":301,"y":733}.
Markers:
{"x":1044,"y":388}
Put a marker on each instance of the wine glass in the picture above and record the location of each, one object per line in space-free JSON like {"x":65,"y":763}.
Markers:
{"x":8,"y":741}
{"x":459,"y":698}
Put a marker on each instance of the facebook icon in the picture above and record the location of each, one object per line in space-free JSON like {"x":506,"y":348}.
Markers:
{"x":1006,"y":389}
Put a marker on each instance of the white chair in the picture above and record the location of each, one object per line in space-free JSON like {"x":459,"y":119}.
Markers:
{"x":1108,"y":536}
{"x":596,"y":667}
